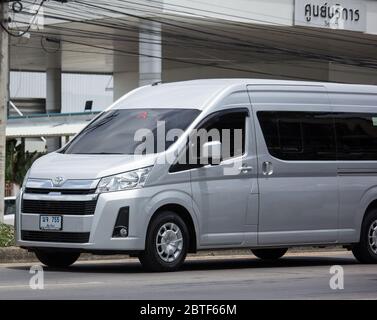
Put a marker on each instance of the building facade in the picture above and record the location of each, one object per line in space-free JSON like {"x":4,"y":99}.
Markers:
{"x":78,"y":52}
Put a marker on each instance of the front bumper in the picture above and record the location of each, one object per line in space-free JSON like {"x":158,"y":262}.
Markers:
{"x":99,"y":226}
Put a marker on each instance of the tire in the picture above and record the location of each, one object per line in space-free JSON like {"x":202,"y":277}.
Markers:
{"x":163,"y":250}
{"x":366,"y":250}
{"x":269,"y":254}
{"x":57,"y":259}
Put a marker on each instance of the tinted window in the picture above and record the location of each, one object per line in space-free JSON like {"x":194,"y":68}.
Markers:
{"x":10,"y":207}
{"x":356,"y":136}
{"x":299,"y":135}
{"x":231,"y":128}
{"x":114,"y":131}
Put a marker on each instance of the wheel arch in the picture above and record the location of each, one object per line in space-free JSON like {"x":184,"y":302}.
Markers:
{"x":371,"y":206}
{"x":367,"y":202}
{"x":185,"y":215}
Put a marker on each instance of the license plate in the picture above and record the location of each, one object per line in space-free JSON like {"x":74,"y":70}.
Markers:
{"x":51,"y":223}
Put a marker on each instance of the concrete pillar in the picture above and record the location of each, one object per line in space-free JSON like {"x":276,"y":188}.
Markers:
{"x":53,"y":93}
{"x":124,"y":82}
{"x":150,"y":63}
{"x":53,"y":90}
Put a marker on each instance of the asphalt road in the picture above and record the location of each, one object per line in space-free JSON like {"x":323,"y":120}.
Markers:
{"x":296,"y":276}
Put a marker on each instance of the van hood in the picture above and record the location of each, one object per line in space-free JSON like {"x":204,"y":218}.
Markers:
{"x":85,"y":166}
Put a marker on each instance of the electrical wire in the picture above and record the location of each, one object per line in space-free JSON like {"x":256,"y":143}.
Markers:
{"x":190,"y":62}
{"x":150,"y":19}
{"x":276,"y":27}
{"x":21,"y":34}
{"x":245,"y":47}
{"x":131,"y":2}
{"x":47,"y":50}
{"x":238,"y":24}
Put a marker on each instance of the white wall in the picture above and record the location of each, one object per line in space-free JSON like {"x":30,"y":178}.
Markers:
{"x":279,"y":12}
{"x":76,"y":89}
{"x":248,"y":11}
{"x":372,"y":17}
{"x":27,"y":85}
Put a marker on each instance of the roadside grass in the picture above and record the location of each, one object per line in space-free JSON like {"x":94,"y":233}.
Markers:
{"x":6,"y":235}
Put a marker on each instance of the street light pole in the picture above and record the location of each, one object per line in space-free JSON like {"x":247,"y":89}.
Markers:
{"x":4,"y":92}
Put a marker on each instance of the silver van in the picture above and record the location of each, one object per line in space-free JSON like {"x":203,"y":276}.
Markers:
{"x":280,"y":164}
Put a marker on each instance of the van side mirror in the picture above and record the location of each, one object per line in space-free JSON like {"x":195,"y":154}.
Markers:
{"x":211,"y":151}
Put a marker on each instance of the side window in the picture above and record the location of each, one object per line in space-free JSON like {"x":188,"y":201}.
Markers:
{"x":356,"y":136}
{"x":299,"y":136}
{"x":230,"y":127}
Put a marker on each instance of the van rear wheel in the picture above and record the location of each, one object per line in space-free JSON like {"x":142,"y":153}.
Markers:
{"x":57,"y":259}
{"x":366,"y":250}
{"x":269,"y":254}
{"x":166,"y":244}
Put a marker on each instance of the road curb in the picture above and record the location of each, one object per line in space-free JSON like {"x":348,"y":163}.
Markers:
{"x":16,"y":255}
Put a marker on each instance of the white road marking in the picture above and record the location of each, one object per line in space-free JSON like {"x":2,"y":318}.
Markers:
{"x":47,"y":286}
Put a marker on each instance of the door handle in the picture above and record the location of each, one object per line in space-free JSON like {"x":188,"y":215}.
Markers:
{"x":245,"y":168}
{"x":267,"y":168}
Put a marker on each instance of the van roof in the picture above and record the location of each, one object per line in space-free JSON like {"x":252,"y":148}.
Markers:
{"x":195,"y":94}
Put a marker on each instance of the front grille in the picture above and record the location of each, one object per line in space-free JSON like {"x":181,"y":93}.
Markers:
{"x":59,"y":207}
{"x":66,"y":237}
{"x":61,"y":191}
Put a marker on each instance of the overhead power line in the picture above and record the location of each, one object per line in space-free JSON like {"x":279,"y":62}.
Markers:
{"x":21,"y":34}
{"x":279,"y":49}
{"x":179,"y":26}
{"x":264,"y":25}
{"x":198,"y":39}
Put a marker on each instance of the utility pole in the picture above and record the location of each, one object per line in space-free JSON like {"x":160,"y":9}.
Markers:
{"x":4,"y":92}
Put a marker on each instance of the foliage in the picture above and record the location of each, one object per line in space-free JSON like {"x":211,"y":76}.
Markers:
{"x":6,"y":235}
{"x":18,"y":161}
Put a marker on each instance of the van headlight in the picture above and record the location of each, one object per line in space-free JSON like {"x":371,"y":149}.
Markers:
{"x":124,"y":181}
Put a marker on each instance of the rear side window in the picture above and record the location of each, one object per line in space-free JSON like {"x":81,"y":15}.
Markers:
{"x":356,"y":136}
{"x":299,"y":136}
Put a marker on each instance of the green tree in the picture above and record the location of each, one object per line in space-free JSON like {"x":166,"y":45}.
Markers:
{"x":18,"y":161}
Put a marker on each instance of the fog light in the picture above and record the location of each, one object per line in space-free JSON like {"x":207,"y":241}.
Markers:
{"x":121,"y":223}
{"x":123,"y":232}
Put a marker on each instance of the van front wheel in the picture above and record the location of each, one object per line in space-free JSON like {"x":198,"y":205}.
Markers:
{"x":269,"y":254}
{"x":57,"y":259}
{"x":166,"y":244}
{"x":366,"y":250}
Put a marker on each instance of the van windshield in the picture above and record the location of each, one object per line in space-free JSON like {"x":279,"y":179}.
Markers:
{"x":132,"y":131}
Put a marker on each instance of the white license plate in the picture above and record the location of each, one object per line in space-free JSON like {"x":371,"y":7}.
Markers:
{"x":51,"y":223}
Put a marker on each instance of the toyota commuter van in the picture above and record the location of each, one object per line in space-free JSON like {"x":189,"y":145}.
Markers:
{"x":170,"y":169}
